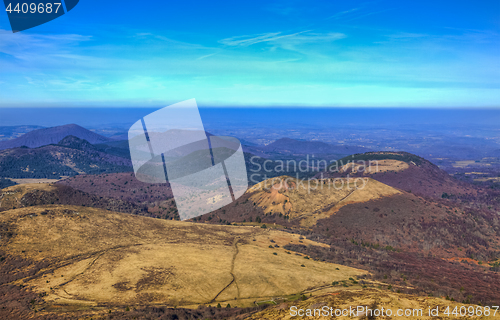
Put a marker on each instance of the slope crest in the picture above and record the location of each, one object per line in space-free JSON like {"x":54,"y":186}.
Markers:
{"x":46,"y":136}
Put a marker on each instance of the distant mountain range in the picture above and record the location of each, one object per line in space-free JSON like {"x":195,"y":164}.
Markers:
{"x":318,"y":147}
{"x":12,"y":132}
{"x":72,"y":156}
{"x":292,"y":147}
{"x":46,"y":136}
{"x":39,"y":154}
{"x":69,"y":150}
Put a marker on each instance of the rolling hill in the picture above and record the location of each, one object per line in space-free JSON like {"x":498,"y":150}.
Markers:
{"x":80,"y":258}
{"x":156,"y":197}
{"x":402,"y":224}
{"x":12,"y":132}
{"x":414,"y":224}
{"x":401,"y":170}
{"x":369,"y":212}
{"x":298,"y":202}
{"x":342,"y":239}
{"x":377,"y":227}
{"x":29,"y":195}
{"x":71,"y":157}
{"x":42,"y":137}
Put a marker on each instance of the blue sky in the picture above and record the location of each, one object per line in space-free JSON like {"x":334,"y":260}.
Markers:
{"x":257,"y":53}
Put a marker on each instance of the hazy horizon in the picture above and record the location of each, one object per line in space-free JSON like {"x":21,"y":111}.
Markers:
{"x":372,"y":117}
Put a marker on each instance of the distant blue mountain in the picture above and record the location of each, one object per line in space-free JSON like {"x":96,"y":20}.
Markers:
{"x":42,"y":137}
{"x":292,"y":146}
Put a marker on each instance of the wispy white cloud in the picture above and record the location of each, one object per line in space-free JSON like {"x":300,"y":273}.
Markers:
{"x":206,"y":56}
{"x":151,"y":39}
{"x":341,"y":14}
{"x":248,"y":40}
{"x":406,"y":35}
{"x":17,"y":44}
{"x":466,"y":37}
{"x":364,"y":15}
{"x":275,"y":38}
{"x":28,"y":53}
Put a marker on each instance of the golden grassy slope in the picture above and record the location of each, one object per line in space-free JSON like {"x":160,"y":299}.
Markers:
{"x":100,"y":257}
{"x":370,"y":299}
{"x":312,"y":200}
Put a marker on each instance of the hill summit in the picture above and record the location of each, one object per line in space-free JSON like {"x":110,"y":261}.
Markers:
{"x":401,"y":170}
{"x":92,"y":257}
{"x":53,"y":135}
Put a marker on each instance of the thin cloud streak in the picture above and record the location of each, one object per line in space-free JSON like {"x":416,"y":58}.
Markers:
{"x":277,"y":37}
{"x":341,"y":14}
{"x":246,"y":40}
{"x":206,"y":56}
{"x":368,"y":14}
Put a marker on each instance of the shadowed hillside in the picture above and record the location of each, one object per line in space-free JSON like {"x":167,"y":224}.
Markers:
{"x":157,"y":197}
{"x":401,"y":170}
{"x":29,"y":195}
{"x":367,"y":227}
{"x":287,"y":200}
{"x":54,"y":161}
{"x":4,"y":183}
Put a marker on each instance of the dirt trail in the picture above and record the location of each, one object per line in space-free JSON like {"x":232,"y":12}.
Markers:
{"x":78,"y":258}
{"x":235,"y":244}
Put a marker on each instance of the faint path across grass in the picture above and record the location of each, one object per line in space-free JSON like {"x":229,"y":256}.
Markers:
{"x":235,"y":244}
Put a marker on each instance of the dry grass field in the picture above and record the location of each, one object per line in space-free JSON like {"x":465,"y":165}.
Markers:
{"x":95,"y":257}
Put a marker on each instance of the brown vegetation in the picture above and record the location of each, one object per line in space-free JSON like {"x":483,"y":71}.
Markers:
{"x":28,"y":195}
{"x":157,"y":197}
